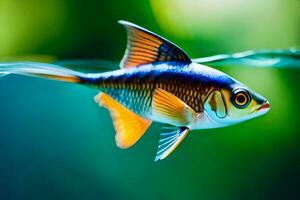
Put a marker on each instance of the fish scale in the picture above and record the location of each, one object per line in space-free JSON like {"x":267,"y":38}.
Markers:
{"x":134,"y":88}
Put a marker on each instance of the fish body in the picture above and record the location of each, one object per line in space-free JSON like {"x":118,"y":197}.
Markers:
{"x":157,"y":81}
{"x":134,"y":87}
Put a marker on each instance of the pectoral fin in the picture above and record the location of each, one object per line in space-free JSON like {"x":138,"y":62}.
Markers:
{"x":170,"y":109}
{"x":129,"y":126}
{"x":170,"y":138}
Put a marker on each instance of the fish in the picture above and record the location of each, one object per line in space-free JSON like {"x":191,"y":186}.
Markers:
{"x":158,"y":82}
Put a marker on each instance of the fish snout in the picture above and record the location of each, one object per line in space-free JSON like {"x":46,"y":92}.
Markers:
{"x":264,"y":108}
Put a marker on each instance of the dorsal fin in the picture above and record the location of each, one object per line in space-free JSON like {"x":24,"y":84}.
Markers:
{"x":144,"y":47}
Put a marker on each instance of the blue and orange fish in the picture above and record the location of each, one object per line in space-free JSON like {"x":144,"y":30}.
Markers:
{"x":157,"y":81}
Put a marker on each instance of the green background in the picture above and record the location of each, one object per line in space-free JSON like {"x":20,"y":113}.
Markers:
{"x":56,"y":143}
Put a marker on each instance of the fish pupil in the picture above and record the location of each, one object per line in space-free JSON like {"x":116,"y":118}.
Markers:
{"x":241,"y":99}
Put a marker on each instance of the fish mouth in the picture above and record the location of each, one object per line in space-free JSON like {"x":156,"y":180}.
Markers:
{"x":264,"y":107}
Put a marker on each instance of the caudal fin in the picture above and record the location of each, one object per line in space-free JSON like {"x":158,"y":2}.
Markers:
{"x":41,"y":70}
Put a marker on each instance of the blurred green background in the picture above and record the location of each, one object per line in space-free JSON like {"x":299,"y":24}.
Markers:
{"x":56,"y":143}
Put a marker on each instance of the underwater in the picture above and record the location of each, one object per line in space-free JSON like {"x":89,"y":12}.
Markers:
{"x":56,"y":142}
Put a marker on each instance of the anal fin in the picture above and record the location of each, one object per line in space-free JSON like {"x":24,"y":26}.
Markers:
{"x":129,"y":126}
{"x":170,"y":138}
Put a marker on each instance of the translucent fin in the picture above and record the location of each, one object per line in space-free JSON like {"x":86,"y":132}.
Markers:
{"x":170,"y":109}
{"x":261,"y":58}
{"x":144,"y":47}
{"x":3,"y":74}
{"x":41,"y":70}
{"x":170,"y":138}
{"x":129,"y":126}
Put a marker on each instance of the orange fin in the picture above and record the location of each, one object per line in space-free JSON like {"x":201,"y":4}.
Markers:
{"x":169,"y":139}
{"x":144,"y":47}
{"x":129,"y":126}
{"x":170,"y":109}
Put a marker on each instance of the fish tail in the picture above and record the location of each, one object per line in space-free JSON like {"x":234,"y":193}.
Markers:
{"x":41,"y":70}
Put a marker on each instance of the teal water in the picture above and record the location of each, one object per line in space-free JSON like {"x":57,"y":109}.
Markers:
{"x":57,"y":143}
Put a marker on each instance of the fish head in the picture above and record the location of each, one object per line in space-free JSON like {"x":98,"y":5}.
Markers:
{"x":243,"y":104}
{"x":240,"y":104}
{"x":232,"y":102}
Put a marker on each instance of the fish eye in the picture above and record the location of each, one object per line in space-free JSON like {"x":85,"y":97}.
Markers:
{"x":240,"y":98}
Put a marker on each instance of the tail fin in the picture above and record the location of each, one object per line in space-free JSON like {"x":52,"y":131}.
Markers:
{"x":41,"y":70}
